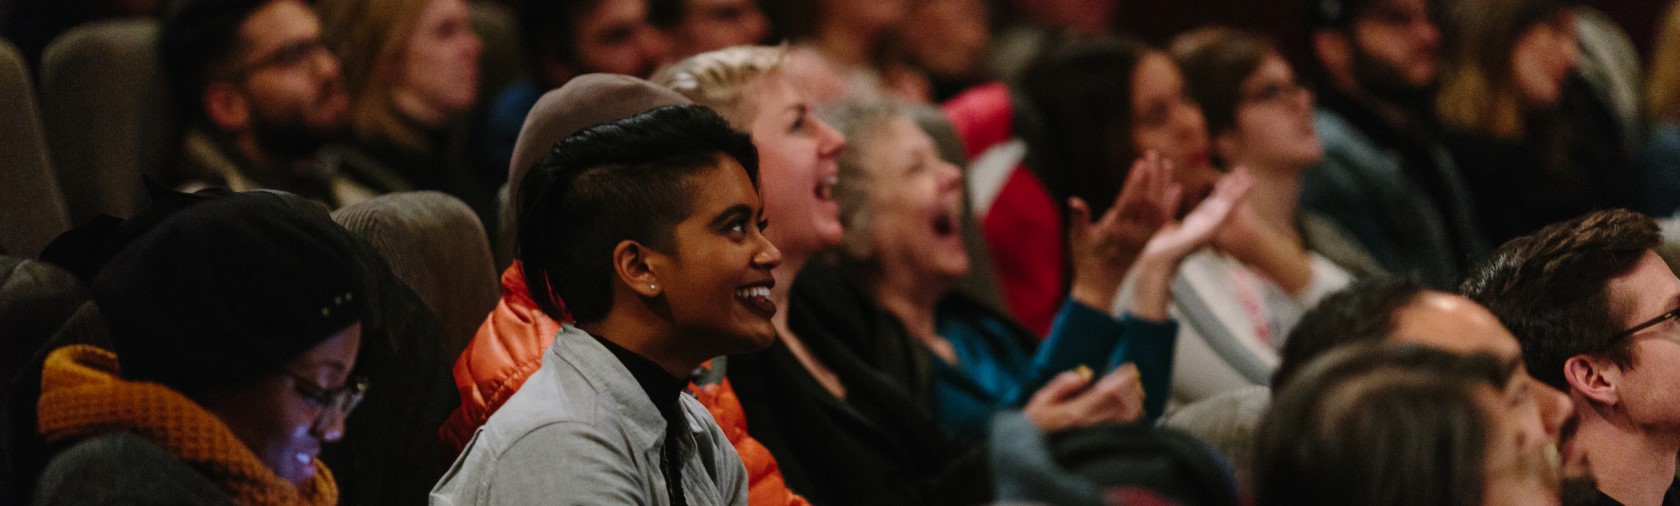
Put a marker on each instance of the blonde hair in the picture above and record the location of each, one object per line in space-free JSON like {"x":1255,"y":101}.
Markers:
{"x":721,"y":79}
{"x":369,"y":37}
{"x":1662,"y":87}
{"x":1478,"y":93}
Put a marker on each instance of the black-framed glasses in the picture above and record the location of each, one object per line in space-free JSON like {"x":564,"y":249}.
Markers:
{"x":290,"y":55}
{"x":1648,"y":324}
{"x":1276,"y":92}
{"x":335,"y":403}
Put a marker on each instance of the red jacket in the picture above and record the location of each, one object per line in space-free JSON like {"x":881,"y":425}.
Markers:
{"x":1022,"y":224}
{"x":509,"y":347}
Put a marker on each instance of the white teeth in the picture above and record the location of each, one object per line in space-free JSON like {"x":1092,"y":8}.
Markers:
{"x":303,"y":458}
{"x":757,"y":291}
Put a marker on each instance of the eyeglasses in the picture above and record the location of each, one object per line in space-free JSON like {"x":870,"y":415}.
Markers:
{"x":335,"y":403}
{"x":291,"y":55}
{"x":1648,"y":324}
{"x":1276,"y":92}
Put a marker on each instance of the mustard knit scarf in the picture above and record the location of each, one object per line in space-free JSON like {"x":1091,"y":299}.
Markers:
{"x":82,"y":397}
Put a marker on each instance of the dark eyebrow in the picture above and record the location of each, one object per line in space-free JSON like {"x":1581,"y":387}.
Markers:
{"x":732,"y":212}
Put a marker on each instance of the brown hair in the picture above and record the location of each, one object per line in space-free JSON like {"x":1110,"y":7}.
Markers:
{"x":1662,"y":87}
{"x":1215,"y":61}
{"x":369,"y":37}
{"x":1551,"y":288}
{"x":1477,"y":93}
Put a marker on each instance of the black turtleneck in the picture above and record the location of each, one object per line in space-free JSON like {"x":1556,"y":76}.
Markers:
{"x":664,"y":390}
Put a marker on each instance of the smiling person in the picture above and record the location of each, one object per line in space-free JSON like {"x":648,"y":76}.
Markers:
{"x":225,"y":393}
{"x":1107,"y":101}
{"x":1517,"y":121}
{"x":901,"y":203}
{"x":411,"y":68}
{"x":649,"y":228}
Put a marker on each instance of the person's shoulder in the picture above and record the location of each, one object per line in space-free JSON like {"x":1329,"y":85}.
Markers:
{"x":123,"y":468}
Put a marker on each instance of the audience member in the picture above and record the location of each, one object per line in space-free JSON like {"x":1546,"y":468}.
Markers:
{"x":843,"y":48}
{"x":1105,"y":101}
{"x":901,"y":202}
{"x":942,"y":43}
{"x":509,"y":345}
{"x":1376,"y":424}
{"x":411,"y":67}
{"x":1531,"y":151}
{"x":1660,"y":165}
{"x":692,"y":27}
{"x":1259,"y":116}
{"x":224,"y":394}
{"x":1590,"y":301}
{"x":1378,"y":309}
{"x":654,"y":295}
{"x":564,"y":40}
{"x":1033,"y":27}
{"x":262,"y":94}
{"x":840,"y":432}
{"x":1385,"y":177}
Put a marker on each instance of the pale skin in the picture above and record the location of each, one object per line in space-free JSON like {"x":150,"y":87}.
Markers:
{"x":1136,"y":233}
{"x":1629,"y":422}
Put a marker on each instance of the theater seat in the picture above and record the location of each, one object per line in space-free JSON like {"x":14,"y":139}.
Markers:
{"x":435,"y":245}
{"x":32,"y":209}
{"x":107,"y":115}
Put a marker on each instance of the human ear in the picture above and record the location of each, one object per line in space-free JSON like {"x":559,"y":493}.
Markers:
{"x":1593,"y":378}
{"x":634,"y":264}
{"x":226,"y":107}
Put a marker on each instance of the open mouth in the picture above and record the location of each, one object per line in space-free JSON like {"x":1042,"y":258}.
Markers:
{"x":757,"y":298}
{"x":825,"y":188}
{"x":945,"y":225}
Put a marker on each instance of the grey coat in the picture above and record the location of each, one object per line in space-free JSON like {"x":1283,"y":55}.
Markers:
{"x":582,"y":431}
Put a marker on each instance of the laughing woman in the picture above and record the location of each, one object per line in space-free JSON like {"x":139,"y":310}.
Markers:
{"x":900,"y":204}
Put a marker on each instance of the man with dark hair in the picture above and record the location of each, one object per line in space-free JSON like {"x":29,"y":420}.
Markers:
{"x":650,"y":229}
{"x":1378,"y":309}
{"x":563,"y":40}
{"x":1393,"y":424}
{"x":1385,"y":177}
{"x":261,"y":94}
{"x":1594,"y":308}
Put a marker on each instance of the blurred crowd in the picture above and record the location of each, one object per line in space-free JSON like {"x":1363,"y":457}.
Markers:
{"x":836,"y":252}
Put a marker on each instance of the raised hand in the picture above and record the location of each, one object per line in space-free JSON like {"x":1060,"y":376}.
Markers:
{"x":1072,"y":400}
{"x":1176,"y":240}
{"x":1103,"y":251}
{"x":1159,"y":262}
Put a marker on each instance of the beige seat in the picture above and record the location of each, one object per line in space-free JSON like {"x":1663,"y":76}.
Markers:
{"x":436,"y":245}
{"x":32,"y":210}
{"x":108,"y":119}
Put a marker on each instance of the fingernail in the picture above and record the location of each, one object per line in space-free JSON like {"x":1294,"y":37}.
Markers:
{"x":1083,"y":372}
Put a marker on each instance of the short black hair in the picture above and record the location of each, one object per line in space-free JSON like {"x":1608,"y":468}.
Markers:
{"x":1379,"y":423}
{"x":1551,"y":288}
{"x":197,"y":41}
{"x":627,"y":180}
{"x":1362,"y":311}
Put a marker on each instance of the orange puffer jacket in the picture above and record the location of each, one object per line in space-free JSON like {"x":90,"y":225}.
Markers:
{"x":509,"y":347}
